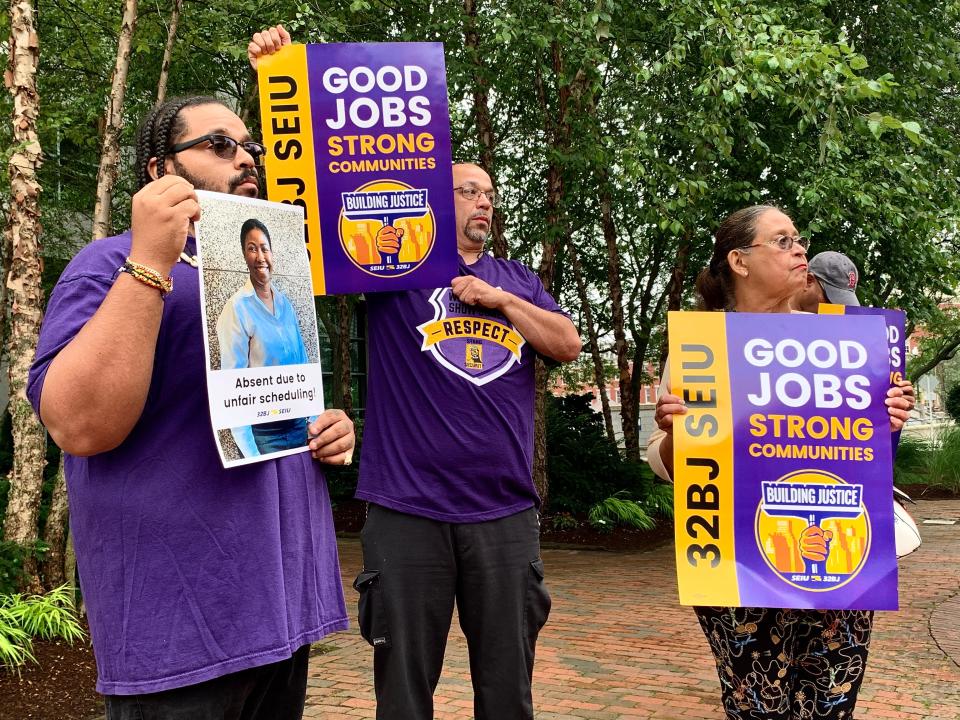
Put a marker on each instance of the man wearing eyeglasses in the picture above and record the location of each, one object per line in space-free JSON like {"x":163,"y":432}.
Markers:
{"x":446,"y":468}
{"x":204,"y":587}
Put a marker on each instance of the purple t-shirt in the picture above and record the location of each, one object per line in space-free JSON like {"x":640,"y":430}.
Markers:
{"x":189,"y":571}
{"x":449,"y":419}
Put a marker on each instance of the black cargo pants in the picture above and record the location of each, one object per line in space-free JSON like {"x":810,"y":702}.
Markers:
{"x":414,"y":570}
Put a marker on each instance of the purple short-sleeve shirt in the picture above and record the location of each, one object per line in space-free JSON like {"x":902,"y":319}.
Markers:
{"x":449,"y":419}
{"x":189,"y":571}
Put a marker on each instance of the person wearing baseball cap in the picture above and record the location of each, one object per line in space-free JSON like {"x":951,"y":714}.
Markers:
{"x":831,"y":278}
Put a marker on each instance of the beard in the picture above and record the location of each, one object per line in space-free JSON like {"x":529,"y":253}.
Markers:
{"x":201,"y":184}
{"x":477,"y":235}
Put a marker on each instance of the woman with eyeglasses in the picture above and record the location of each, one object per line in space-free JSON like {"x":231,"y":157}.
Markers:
{"x":258,"y":327}
{"x":773,"y":663}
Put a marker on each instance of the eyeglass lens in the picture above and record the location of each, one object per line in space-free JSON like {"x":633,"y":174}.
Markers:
{"x":472,"y":193}
{"x":226,"y":147}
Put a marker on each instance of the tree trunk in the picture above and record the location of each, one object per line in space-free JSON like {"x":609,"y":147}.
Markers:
{"x":641,"y":323}
{"x":344,"y":315}
{"x":628,"y":408}
{"x":168,"y":51}
{"x":55,"y":535}
{"x":540,"y":480}
{"x":558,"y":132}
{"x":5,"y":253}
{"x":25,"y":292}
{"x":599,"y":378}
{"x":675,"y":287}
{"x":113,"y":116}
{"x":481,"y":111}
{"x":547,"y":268}
{"x":70,"y":573}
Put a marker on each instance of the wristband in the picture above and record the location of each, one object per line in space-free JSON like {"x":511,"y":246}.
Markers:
{"x":148,"y":276}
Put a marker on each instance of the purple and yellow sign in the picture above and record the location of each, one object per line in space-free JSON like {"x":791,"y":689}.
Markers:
{"x":896,"y":341}
{"x":359,"y":136}
{"x":782,"y":467}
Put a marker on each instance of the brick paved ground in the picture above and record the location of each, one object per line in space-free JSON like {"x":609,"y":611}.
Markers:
{"x":618,"y":645}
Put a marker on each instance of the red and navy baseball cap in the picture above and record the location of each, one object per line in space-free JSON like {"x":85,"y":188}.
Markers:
{"x":838,"y":277}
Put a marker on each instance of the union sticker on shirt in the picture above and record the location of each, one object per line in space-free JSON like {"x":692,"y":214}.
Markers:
{"x":477,"y":344}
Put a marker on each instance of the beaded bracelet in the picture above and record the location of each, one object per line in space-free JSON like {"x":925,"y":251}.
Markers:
{"x":148,"y":276}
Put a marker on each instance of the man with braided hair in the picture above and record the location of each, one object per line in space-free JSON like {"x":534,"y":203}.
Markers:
{"x":204,"y":586}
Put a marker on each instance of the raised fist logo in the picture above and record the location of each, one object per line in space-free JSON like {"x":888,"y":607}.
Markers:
{"x":389,"y":240}
{"x":815,"y":543}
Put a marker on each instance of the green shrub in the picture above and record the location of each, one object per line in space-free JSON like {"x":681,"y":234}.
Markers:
{"x":952,"y":403}
{"x":16,"y":645}
{"x":585,"y":468}
{"x":619,"y":510}
{"x":24,"y":617}
{"x":944,"y":464}
{"x":563,"y":521}
{"x":912,"y":464}
{"x":12,"y":556}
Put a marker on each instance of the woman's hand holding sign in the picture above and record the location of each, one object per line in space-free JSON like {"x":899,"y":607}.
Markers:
{"x":668,"y":405}
{"x":899,"y":404}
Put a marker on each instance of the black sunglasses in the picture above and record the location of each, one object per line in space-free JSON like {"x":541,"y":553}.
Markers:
{"x":223,"y":146}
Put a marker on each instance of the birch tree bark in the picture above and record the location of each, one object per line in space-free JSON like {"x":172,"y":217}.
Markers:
{"x":24,"y":288}
{"x":110,"y":155}
{"x":168,"y":51}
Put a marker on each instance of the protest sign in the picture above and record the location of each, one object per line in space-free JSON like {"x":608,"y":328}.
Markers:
{"x":264,"y":379}
{"x":358,"y":135}
{"x":782,"y":465}
{"x":896,"y":342}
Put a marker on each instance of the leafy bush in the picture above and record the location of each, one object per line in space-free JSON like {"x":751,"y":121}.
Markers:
{"x":23,"y":618}
{"x":912,"y":464}
{"x":12,"y":556}
{"x":619,"y":510}
{"x":586,"y":472}
{"x":584,"y":467}
{"x":944,"y":463}
{"x":563,"y":521}
{"x":952,"y":402}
